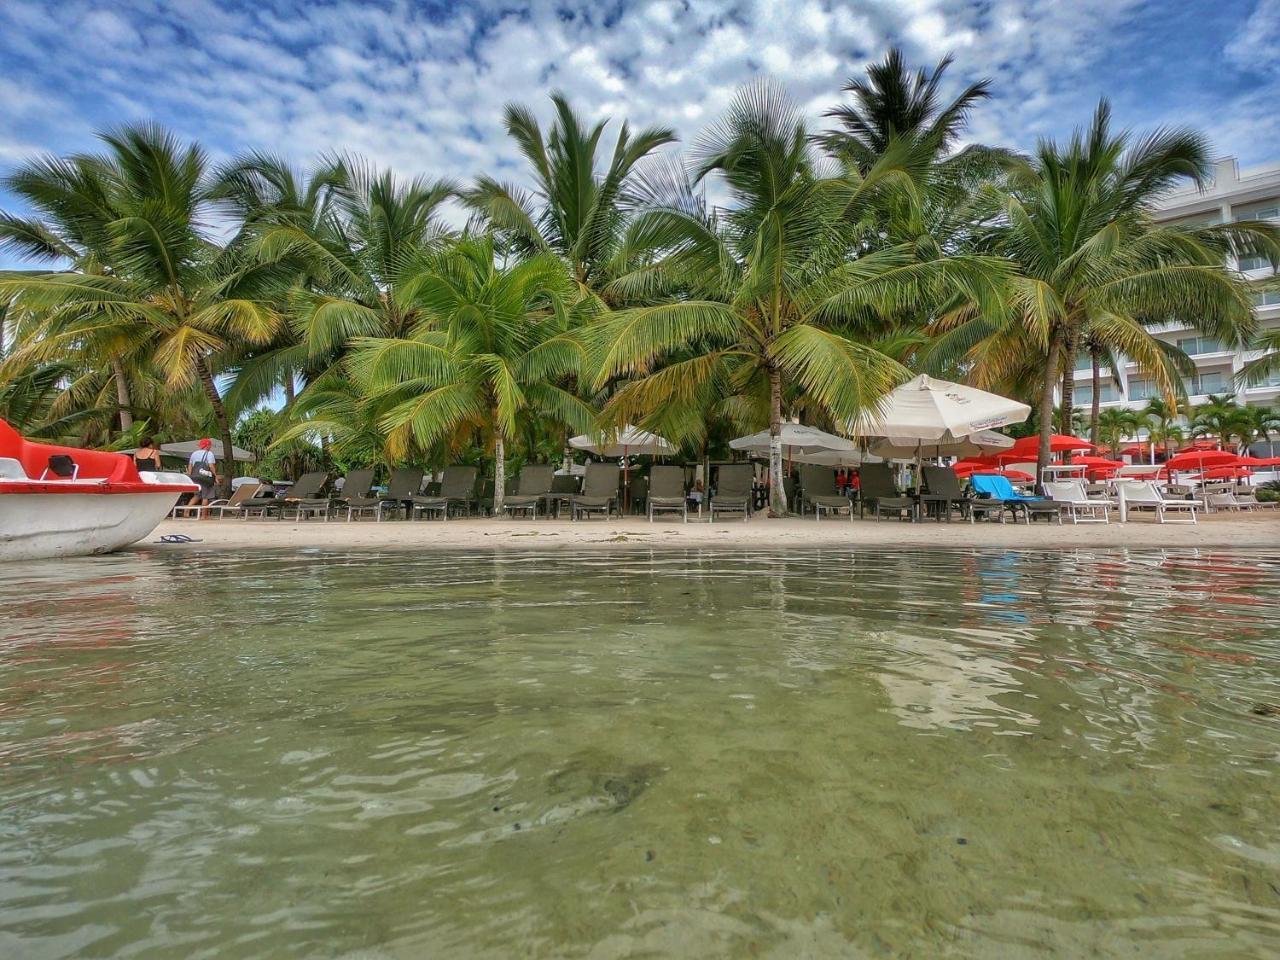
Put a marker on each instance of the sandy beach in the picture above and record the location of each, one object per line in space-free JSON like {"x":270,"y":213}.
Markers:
{"x":1237,"y":530}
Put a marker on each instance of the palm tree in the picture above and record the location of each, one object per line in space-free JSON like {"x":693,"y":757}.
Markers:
{"x":766,"y":298}
{"x":1217,"y":417}
{"x":1116,"y":424}
{"x":1092,"y":266}
{"x":1160,"y":419}
{"x":486,"y":353}
{"x":575,"y":210}
{"x":353,"y":247}
{"x":148,"y":274}
{"x":1252,"y":423}
{"x":892,"y":103}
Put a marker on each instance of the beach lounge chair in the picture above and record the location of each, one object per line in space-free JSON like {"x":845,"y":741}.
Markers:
{"x":457,"y":487}
{"x":305,"y":490}
{"x":599,"y":491}
{"x":563,"y":488}
{"x":1219,"y":496}
{"x":880,"y":493}
{"x":1247,"y":497}
{"x":357,"y":494}
{"x":819,"y":486}
{"x":666,"y":492}
{"x":404,"y":484}
{"x":1145,"y":495}
{"x":220,"y":507}
{"x":303,"y":499}
{"x":943,"y":491}
{"x":235,"y":504}
{"x":734,"y":489}
{"x":999,"y":489}
{"x":1076,"y":503}
{"x":535,"y":484}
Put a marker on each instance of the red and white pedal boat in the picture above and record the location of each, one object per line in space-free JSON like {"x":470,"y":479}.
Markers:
{"x":66,"y":501}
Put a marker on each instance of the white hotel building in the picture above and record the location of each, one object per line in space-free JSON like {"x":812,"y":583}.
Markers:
{"x":1251,"y":195}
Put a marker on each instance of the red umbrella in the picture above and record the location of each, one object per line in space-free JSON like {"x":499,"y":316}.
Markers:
{"x":1199,"y":459}
{"x":974,"y":465}
{"x":1225,"y":473}
{"x":1018,"y":476}
{"x":1027,"y":448}
{"x":1258,"y":462}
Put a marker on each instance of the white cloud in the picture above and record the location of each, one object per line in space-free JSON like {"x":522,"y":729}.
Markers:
{"x":425,"y":94}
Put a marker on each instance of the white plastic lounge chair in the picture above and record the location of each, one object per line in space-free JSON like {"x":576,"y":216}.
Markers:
{"x":1247,"y":498}
{"x":1145,"y":495}
{"x":1076,"y":502}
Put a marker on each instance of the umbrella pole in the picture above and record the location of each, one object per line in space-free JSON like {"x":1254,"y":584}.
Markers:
{"x":626,"y":480}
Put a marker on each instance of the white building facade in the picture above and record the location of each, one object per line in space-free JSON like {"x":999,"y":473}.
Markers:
{"x":1253,"y":195}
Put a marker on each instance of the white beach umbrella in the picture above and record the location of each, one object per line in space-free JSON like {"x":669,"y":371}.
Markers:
{"x":184,"y":448}
{"x":626,"y":442}
{"x":948,"y":445}
{"x":629,"y":441}
{"x":797,"y":441}
{"x":924,"y":410}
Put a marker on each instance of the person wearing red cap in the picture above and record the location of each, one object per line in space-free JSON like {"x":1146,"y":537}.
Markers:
{"x":202,"y":467}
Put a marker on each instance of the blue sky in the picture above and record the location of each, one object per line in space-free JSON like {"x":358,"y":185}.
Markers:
{"x":420,"y":85}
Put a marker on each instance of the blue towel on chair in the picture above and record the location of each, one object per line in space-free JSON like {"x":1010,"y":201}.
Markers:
{"x":999,"y":488}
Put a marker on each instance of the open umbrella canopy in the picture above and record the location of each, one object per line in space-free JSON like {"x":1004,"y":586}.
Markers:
{"x":797,"y":439}
{"x":184,"y":449}
{"x":624,"y":442}
{"x":948,"y":445}
{"x":1232,"y":472}
{"x":925,"y":409}
{"x":1199,"y":459}
{"x":1017,"y":476}
{"x":1251,"y":461}
{"x":1026,"y":448}
{"x":964,"y":468}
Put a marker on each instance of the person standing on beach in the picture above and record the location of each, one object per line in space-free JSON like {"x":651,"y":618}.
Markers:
{"x":147,"y":456}
{"x":202,"y":467}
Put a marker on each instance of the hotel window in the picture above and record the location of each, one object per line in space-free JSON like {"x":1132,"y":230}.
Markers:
{"x":1254,"y":263}
{"x":1084,"y":362}
{"x":1213,"y":382}
{"x":1266,"y":298}
{"x":1266,"y":213}
{"x":1083,"y":396}
{"x":1142,"y":389}
{"x":1198,"y":345}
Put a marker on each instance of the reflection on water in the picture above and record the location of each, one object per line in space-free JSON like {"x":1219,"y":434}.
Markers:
{"x":866,"y":754}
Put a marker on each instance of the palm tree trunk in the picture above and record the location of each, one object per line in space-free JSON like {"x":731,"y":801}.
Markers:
{"x":1068,"y":400}
{"x":290,"y":393}
{"x":123,"y":400}
{"x":1097,"y":400}
{"x":777,"y":492}
{"x":499,"y":472}
{"x":1046,"y":403}
{"x":224,"y":425}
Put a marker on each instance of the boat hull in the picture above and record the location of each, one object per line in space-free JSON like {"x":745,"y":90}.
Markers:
{"x":37,"y":526}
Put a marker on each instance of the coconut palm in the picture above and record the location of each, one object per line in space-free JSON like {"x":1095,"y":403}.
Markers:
{"x":1116,"y":424}
{"x":353,"y":247}
{"x":486,"y":352}
{"x":1160,"y":419}
{"x":1092,"y":266}
{"x":768,"y":296}
{"x":891,"y":103}
{"x":150,"y":282}
{"x":1217,"y":417}
{"x":576,"y":209}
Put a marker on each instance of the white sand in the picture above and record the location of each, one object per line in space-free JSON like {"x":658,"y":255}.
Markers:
{"x":1245,"y":530}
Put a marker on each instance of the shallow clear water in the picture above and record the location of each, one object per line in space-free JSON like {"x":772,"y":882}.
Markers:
{"x":875,"y":754}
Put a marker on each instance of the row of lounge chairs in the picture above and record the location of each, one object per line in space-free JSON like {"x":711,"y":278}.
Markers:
{"x":539,"y":490}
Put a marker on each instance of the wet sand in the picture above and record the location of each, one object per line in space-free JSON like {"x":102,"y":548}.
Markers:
{"x":1239,"y":530}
